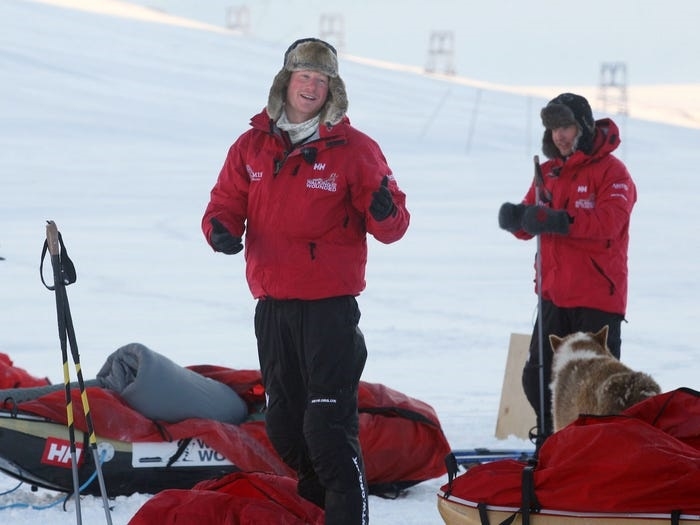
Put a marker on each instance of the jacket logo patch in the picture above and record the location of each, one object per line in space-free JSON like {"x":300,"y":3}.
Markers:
{"x":253,"y":175}
{"x":586,"y":204}
{"x":327,"y":184}
{"x":582,"y":189}
{"x":319,"y":166}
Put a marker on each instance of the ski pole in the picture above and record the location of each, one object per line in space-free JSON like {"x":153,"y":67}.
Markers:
{"x":539,"y":186}
{"x":64,"y":274}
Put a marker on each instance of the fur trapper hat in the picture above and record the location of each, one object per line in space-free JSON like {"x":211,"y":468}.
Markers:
{"x":565,"y":110}
{"x":315,"y":55}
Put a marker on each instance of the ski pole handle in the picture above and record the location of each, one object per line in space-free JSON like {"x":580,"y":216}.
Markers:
{"x":539,"y":179}
{"x":52,"y":237}
{"x":541,"y":193}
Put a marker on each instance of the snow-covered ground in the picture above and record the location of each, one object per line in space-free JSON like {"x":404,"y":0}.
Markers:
{"x":116,"y":128}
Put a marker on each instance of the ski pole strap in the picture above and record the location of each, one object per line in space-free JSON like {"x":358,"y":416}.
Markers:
{"x":67,"y":269}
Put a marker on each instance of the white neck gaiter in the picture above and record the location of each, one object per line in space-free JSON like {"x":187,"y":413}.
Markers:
{"x":302,"y":130}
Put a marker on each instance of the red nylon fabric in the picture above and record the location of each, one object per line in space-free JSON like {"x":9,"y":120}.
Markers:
{"x":646,"y":460}
{"x":401,"y":437}
{"x":239,"y":498}
{"x":15,"y":377}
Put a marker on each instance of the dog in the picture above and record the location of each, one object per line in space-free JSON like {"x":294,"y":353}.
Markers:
{"x":588,"y":379}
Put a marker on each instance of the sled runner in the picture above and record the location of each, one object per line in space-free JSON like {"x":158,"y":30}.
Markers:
{"x":641,"y":467}
{"x":179,"y":443}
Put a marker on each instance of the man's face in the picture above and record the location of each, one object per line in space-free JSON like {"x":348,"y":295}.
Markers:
{"x":306,"y":95}
{"x":565,"y":139}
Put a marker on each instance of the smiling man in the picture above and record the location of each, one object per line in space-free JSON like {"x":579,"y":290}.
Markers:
{"x":306,"y":188}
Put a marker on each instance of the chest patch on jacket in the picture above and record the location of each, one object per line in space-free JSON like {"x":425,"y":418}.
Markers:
{"x":586,"y":203}
{"x":327,"y":184}
{"x":252,"y":174}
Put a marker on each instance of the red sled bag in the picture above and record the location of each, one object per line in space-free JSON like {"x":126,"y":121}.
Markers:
{"x":15,"y":377}
{"x":241,"y":498}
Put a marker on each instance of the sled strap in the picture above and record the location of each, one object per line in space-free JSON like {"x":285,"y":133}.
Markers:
{"x":510,"y":519}
{"x":529,"y":498}
{"x":181,"y":447}
{"x":483,"y":515}
{"x":452,"y":471}
{"x":528,"y":503}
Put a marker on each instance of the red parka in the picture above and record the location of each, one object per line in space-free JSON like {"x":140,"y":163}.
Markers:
{"x":588,"y":266}
{"x":304,"y":209}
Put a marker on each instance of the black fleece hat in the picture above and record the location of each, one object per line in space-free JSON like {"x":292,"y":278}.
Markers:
{"x":565,"y":110}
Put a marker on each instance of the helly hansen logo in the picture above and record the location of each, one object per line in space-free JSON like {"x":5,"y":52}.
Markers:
{"x":582,"y":189}
{"x":319,"y":166}
{"x":57,"y":453}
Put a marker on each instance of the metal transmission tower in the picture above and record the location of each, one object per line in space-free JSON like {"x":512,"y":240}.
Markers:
{"x":332,"y":30}
{"x":613,"y":87}
{"x":238,"y":19}
{"x":441,"y":48}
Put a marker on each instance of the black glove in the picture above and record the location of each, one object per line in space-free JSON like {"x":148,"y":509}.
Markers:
{"x":222,"y":240}
{"x":510,"y":216}
{"x":538,"y":219}
{"x":382,"y":204}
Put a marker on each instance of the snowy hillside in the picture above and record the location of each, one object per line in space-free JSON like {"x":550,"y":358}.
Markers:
{"x":116,"y":129}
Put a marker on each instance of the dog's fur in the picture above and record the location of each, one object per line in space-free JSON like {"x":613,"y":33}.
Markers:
{"x":588,"y":379}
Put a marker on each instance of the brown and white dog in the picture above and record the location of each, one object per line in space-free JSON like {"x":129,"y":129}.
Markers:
{"x":588,"y":379}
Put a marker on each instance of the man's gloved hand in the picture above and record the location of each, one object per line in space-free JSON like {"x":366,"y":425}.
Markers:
{"x":510,"y":216}
{"x":538,"y":219}
{"x":382,"y":204}
{"x":222,"y":240}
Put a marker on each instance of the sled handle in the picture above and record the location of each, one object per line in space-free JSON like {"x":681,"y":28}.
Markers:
{"x":52,"y":237}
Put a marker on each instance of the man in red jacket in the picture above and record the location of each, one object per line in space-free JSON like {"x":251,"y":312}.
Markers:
{"x":306,"y":188}
{"x":586,"y":198}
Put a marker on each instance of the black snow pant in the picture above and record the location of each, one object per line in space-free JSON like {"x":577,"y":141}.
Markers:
{"x":312,"y":354}
{"x":561,"y":322}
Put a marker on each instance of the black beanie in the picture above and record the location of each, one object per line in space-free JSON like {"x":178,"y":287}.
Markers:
{"x":565,"y":110}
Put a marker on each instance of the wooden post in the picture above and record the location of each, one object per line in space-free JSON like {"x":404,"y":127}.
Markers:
{"x":515,"y":415}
